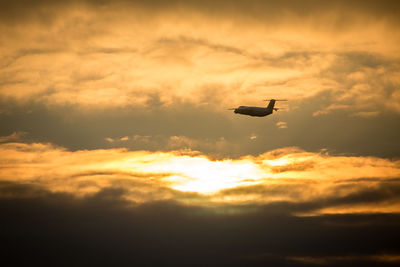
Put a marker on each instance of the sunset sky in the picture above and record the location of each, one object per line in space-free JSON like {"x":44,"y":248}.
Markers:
{"x":117,"y":146}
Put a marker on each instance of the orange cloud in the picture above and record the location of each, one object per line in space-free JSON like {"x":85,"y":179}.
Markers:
{"x":287,"y":174}
{"x":125,"y":54}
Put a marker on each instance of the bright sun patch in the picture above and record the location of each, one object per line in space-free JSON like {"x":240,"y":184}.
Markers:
{"x":204,"y":176}
{"x":286,"y":174}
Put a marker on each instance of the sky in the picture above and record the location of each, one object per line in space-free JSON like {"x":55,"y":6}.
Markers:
{"x":117,"y":146}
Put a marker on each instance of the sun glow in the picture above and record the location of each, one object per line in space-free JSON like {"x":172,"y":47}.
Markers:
{"x":204,"y":176}
{"x":287,"y":174}
{"x":277,"y":162}
{"x":199,"y":174}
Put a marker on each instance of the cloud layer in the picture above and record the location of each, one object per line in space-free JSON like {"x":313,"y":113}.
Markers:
{"x":104,"y":229}
{"x":312,"y":183}
{"x":125,"y":53}
{"x":286,"y":207}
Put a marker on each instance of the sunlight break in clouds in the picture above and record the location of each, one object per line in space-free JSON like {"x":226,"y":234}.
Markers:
{"x":287,"y":174}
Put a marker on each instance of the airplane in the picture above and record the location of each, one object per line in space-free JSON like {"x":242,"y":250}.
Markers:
{"x":258,"y":111}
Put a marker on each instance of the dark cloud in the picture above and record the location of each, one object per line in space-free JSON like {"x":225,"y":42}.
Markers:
{"x":294,"y":190}
{"x":303,"y":166}
{"x":43,"y":228}
{"x":341,"y":196}
{"x":13,"y":11}
{"x":386,"y":192}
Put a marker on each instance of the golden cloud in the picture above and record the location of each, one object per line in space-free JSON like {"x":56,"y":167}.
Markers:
{"x":288,"y":174}
{"x":122,"y":55}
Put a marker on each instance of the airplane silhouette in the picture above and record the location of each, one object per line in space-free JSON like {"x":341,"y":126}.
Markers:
{"x":258,"y":111}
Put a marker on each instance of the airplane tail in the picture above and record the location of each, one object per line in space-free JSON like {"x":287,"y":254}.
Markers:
{"x":271,"y":103}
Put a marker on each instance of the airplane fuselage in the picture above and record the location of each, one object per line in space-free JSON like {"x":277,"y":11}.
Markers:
{"x":253,"y":111}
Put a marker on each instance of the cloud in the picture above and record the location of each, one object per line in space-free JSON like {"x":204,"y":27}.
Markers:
{"x":213,"y":147}
{"x":109,"y":139}
{"x":337,"y":260}
{"x":125,"y":138}
{"x":253,"y":137}
{"x":365,"y":83}
{"x":374,"y":9}
{"x":330,"y":109}
{"x":121,"y":139}
{"x":281,"y":124}
{"x":178,"y":204}
{"x":15,"y":136}
{"x":105,"y":228}
{"x":318,"y":182}
{"x":201,"y":54}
